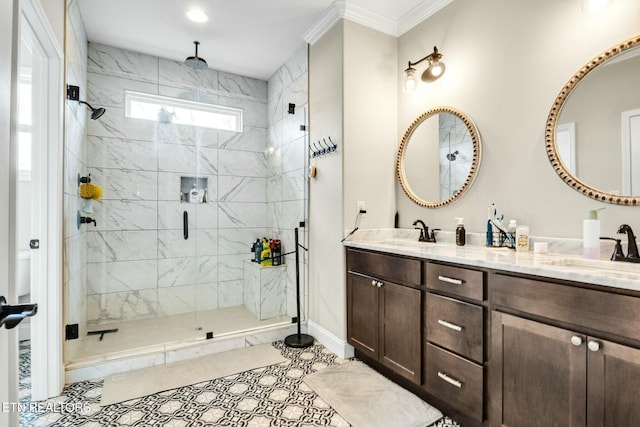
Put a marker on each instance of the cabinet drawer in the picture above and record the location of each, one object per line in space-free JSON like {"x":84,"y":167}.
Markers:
{"x":390,"y":267}
{"x":454,"y":380}
{"x":456,"y":280}
{"x":592,"y":309}
{"x":455,"y":325}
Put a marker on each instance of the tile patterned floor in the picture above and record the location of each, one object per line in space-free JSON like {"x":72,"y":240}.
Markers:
{"x":272,"y":396}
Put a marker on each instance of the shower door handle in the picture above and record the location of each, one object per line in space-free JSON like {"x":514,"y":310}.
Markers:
{"x":185,"y":225}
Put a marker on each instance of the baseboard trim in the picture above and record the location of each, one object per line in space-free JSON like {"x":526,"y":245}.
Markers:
{"x":340,"y":347}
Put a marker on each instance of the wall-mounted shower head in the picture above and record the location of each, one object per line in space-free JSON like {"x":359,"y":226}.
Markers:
{"x":96,"y":113}
{"x":195,"y":61}
{"x":452,"y":156}
{"x":73,"y":94}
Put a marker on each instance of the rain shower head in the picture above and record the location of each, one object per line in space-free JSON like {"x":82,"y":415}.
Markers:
{"x":96,"y":113}
{"x":195,"y":61}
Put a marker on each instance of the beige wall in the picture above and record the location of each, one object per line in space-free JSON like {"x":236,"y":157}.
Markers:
{"x":352,"y":99}
{"x":326,"y":260}
{"x":506,"y":62}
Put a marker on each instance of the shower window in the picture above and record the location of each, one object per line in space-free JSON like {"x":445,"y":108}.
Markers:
{"x":163,"y":109}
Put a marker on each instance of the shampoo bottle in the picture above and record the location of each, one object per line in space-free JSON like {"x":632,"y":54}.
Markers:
{"x":591,"y":235}
{"x":461,"y":237}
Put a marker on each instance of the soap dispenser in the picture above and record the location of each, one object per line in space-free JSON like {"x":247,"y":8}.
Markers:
{"x":591,"y":234}
{"x":461,"y":237}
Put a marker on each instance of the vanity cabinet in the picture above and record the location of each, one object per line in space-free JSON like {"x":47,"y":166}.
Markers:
{"x":454,"y":346}
{"x":554,"y":356}
{"x":384,"y":310}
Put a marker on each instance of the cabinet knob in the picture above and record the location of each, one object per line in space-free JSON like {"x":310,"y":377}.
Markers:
{"x":380,"y":284}
{"x":593,"y":345}
{"x":373,"y":283}
{"x":576,"y":340}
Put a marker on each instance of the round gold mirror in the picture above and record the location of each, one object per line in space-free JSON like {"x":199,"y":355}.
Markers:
{"x":438,"y":157}
{"x":592,"y":135}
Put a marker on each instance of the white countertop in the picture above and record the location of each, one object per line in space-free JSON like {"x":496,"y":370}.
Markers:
{"x":620,"y":275}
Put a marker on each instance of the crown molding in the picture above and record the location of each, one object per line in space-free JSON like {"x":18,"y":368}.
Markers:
{"x":371,"y":19}
{"x":333,"y":14}
{"x":419,"y":14}
{"x":343,"y":9}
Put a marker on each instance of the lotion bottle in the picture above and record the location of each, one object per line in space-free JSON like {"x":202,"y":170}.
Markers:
{"x":522,"y":238}
{"x":461,"y":237}
{"x":591,"y":235}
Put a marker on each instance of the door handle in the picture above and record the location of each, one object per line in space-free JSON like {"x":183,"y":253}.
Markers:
{"x":11,"y":315}
{"x":185,"y":225}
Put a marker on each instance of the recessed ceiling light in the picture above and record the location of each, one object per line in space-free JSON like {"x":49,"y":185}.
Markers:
{"x":197,"y":15}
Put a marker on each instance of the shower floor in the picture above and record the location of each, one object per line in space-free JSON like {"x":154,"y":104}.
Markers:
{"x":141,"y":334}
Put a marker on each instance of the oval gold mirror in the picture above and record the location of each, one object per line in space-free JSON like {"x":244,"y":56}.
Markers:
{"x":438,"y":157}
{"x":592,"y":135}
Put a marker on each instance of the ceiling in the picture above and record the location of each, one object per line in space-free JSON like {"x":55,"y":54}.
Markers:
{"x":247,"y":37}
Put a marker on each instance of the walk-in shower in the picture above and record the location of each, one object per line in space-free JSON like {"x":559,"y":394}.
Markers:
{"x":168,"y":257}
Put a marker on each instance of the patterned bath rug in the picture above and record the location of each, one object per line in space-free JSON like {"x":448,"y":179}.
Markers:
{"x":143,"y":382}
{"x":365,"y":398}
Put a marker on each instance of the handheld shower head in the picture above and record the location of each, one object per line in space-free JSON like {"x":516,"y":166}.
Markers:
{"x":195,"y":61}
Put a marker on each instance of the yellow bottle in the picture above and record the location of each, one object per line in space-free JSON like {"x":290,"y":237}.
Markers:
{"x":265,"y":255}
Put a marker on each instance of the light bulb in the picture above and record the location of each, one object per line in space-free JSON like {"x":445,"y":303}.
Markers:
{"x":594,"y":6}
{"x":436,"y":69}
{"x":197,"y":15}
{"x":410,"y":79}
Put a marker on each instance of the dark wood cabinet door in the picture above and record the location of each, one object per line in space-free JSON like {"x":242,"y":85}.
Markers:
{"x":400,"y":339}
{"x":538,"y":374}
{"x":614,"y":384}
{"x":362,"y":314}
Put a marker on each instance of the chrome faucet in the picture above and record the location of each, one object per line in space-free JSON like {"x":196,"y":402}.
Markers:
{"x":424,"y":232}
{"x":632,"y":247}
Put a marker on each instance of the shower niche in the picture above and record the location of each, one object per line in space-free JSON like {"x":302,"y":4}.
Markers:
{"x":193,"y":189}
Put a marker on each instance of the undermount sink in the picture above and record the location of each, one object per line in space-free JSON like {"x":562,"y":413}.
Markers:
{"x":618,"y":269}
{"x":405,"y":242}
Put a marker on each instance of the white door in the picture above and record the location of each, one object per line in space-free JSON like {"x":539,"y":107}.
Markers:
{"x":41,"y":61}
{"x":8,"y":338}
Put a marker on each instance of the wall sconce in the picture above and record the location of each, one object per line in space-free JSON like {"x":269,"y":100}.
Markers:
{"x":433,"y":72}
{"x":73,"y":94}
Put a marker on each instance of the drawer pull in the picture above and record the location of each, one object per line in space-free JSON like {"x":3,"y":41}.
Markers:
{"x":450,"y":325}
{"x":450,"y":280}
{"x":450,"y":380}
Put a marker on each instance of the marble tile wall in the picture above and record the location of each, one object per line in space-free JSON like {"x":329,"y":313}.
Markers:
{"x":138,"y":263}
{"x":288,"y":163}
{"x":75,"y":152}
{"x":455,"y":154}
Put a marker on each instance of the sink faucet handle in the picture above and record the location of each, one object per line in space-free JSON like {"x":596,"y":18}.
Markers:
{"x":432,"y":236}
{"x":617,"y":251}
